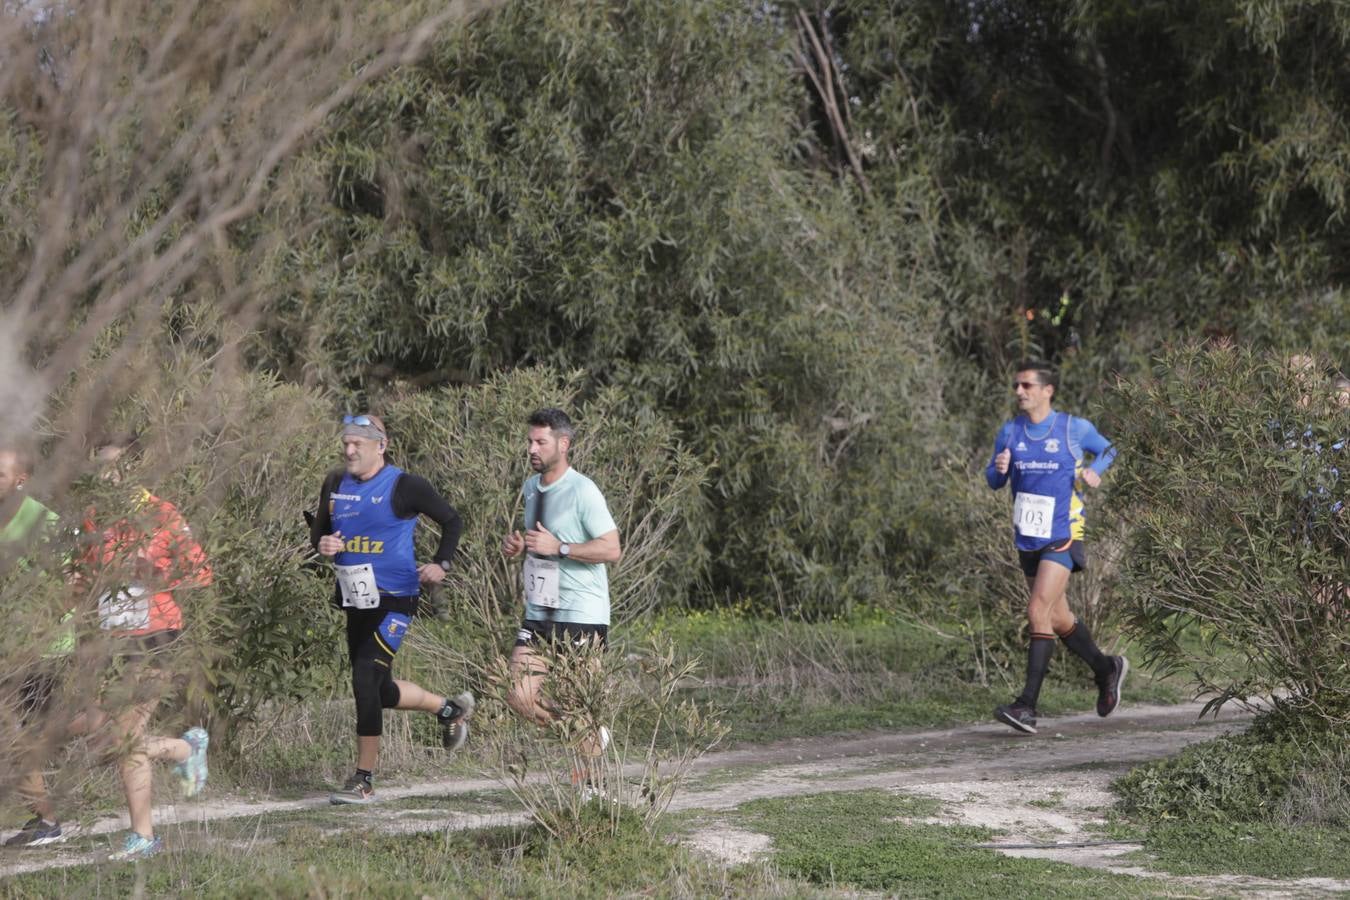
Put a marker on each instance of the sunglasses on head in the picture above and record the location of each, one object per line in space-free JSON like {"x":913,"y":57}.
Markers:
{"x":359,"y":420}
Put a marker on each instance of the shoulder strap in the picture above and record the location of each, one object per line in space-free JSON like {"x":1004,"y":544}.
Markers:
{"x":1073,"y":437}
{"x":333,"y":479}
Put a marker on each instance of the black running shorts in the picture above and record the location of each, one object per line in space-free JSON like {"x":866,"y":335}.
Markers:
{"x":533,"y":632}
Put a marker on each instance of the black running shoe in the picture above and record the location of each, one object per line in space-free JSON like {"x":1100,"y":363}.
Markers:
{"x":1109,"y":688}
{"x":36,"y":832}
{"x":455,"y":728}
{"x":1018,"y":715}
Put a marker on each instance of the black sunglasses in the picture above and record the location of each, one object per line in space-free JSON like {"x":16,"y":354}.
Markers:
{"x":1027,"y":384}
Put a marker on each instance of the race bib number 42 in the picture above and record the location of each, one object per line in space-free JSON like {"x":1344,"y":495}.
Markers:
{"x":541,"y":582}
{"x":1034,"y":515}
{"x":357,"y":584}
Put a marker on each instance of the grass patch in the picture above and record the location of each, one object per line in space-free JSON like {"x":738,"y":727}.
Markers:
{"x":1266,"y":850}
{"x":1054,"y":800}
{"x":859,"y":840}
{"x":310,"y":861}
{"x":776,"y":679}
{"x":1273,"y":801}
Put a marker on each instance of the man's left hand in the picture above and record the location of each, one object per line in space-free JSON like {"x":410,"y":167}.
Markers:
{"x":1091,"y":478}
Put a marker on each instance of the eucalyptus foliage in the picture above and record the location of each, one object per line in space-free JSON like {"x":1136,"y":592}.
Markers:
{"x":619,"y":189}
{"x":1118,"y":171}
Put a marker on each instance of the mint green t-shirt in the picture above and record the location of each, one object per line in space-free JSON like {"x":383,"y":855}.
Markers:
{"x":29,"y":521}
{"x":33,"y":523}
{"x":575,"y":512}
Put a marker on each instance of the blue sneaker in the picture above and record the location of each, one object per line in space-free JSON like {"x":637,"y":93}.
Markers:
{"x":191,"y":772}
{"x":36,"y":832}
{"x":135,"y":847}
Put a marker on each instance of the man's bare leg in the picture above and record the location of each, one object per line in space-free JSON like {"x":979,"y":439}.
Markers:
{"x":527,"y":672}
{"x":136,"y":769}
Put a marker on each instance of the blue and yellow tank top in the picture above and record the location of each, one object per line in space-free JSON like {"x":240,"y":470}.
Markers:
{"x":363,"y":511}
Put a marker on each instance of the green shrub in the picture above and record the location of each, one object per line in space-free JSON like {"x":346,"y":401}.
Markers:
{"x":579,"y":185}
{"x":1228,"y":481}
{"x":1287,"y":768}
{"x":242,"y":480}
{"x":1242,"y":777}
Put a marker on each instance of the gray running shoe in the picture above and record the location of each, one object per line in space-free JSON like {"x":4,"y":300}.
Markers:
{"x":455,"y":729}
{"x":36,"y":832}
{"x":1109,"y":688}
{"x":1018,"y":715}
{"x":355,"y":790}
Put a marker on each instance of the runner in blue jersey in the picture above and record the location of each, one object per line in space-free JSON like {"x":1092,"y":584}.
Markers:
{"x":1042,"y":453}
{"x":367,"y":514}
{"x":569,"y":537}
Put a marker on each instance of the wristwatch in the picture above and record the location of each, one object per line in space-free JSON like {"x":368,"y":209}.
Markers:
{"x":564,"y":550}
{"x":445,"y":565}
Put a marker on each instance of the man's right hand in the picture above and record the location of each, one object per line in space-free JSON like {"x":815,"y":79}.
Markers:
{"x":513,"y":544}
{"x":1002,"y":461}
{"x":331,"y":544}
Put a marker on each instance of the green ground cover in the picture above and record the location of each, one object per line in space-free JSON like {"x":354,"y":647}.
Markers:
{"x":870,"y":670}
{"x":1273,"y":801}
{"x":1266,"y":849}
{"x":314,"y":861}
{"x":771,"y":678}
{"x":860,"y":840}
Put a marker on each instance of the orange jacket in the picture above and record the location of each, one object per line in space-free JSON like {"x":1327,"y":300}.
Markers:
{"x":156,"y":547}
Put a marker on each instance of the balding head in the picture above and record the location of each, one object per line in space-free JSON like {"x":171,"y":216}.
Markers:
{"x":16,"y":464}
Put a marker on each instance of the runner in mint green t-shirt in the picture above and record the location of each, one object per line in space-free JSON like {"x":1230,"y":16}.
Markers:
{"x":569,"y":537}
{"x":25,"y":535}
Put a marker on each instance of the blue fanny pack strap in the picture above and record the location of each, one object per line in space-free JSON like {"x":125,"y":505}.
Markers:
{"x":393,"y":627}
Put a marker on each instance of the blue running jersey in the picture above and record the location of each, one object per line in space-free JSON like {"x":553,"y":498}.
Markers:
{"x":1046,"y":464}
{"x":363,"y":512}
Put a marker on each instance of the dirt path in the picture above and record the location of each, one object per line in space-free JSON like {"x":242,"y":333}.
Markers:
{"x":984,"y":775}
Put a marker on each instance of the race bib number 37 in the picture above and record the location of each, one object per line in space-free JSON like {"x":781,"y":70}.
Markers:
{"x":1034,"y":515}
{"x":357,"y":584}
{"x":541,"y":582}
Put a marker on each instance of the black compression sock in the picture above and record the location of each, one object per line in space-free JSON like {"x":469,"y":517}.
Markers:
{"x":1038,"y":663}
{"x":1079,"y":641}
{"x":365,"y":774}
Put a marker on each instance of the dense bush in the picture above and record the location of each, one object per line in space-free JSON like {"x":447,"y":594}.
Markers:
{"x":1238,"y":531}
{"x":242,"y":481}
{"x":616,"y":189}
{"x":1278,"y":771}
{"x":1116,"y":173}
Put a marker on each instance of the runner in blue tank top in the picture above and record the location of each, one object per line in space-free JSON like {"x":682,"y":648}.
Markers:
{"x":1042,"y":453}
{"x":367,"y":513}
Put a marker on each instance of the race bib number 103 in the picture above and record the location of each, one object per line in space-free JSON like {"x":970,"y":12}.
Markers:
{"x":1034,"y":515}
